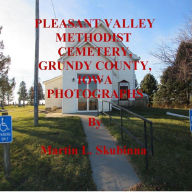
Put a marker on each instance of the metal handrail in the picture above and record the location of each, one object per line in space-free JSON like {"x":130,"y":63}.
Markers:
{"x":132,"y":113}
{"x":124,"y":130}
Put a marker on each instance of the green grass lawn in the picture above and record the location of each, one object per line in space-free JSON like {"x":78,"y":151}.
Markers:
{"x":31,"y":170}
{"x":171,"y":166}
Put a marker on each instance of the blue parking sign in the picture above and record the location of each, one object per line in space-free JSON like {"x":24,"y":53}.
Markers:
{"x":6,"y":129}
{"x":190,"y":116}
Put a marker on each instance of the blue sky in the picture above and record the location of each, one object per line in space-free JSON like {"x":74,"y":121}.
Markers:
{"x":170,"y":15}
{"x":17,"y":18}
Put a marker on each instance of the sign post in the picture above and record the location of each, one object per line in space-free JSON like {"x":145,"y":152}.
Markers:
{"x":6,"y":138}
{"x":190,"y":117}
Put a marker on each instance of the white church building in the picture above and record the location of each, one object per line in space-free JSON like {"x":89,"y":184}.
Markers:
{"x":121,"y":79}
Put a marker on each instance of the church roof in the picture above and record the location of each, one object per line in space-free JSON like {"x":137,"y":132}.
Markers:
{"x":78,"y":44}
{"x":52,"y":79}
{"x":76,"y":23}
{"x":81,"y":44}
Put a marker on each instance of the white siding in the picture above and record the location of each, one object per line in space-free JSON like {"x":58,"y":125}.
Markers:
{"x":71,"y":105}
{"x":52,"y":84}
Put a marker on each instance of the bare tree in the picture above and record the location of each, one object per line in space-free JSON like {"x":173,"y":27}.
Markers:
{"x":179,"y":60}
{"x":185,"y":34}
{"x":166,"y":53}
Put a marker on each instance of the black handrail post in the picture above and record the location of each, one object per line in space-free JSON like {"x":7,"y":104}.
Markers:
{"x":109,"y":115}
{"x":98,"y":108}
{"x":121,"y":126}
{"x":145,"y":138}
{"x":102,"y":107}
{"x":151,"y":135}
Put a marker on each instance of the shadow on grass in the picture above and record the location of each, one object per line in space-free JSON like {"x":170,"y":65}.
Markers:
{"x":159,"y":113}
{"x":59,"y":131}
{"x":32,"y":170}
{"x":169,"y":168}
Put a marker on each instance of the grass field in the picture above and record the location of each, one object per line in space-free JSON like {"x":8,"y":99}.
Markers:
{"x":31,"y":170}
{"x":171,"y":166}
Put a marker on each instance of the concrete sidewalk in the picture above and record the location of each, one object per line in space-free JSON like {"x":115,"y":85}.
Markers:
{"x":110,"y":172}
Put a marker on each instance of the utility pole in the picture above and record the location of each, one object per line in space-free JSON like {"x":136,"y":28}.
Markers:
{"x":36,"y":101}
